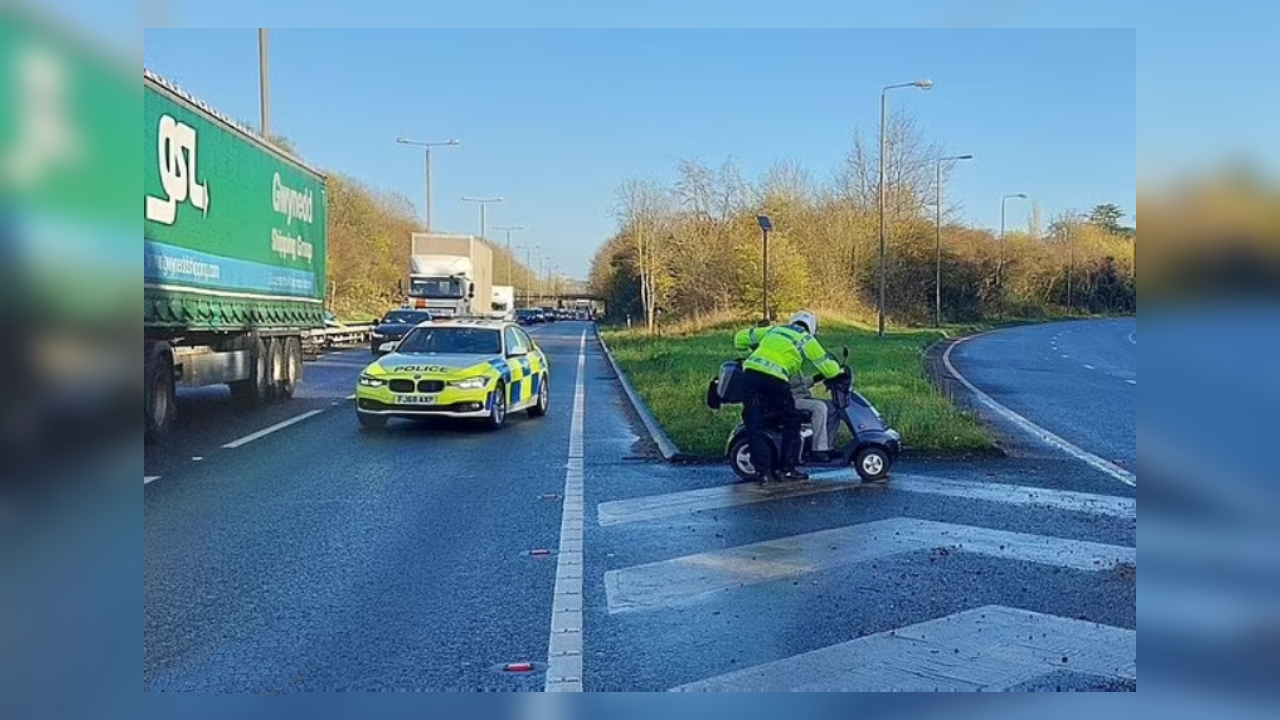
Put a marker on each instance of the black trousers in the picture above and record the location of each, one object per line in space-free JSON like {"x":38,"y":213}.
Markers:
{"x":768,"y":400}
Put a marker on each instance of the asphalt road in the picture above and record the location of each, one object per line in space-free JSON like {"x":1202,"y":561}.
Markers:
{"x":322,"y":557}
{"x":1078,"y":380}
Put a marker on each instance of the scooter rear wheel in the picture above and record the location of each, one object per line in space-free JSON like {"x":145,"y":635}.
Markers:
{"x":740,"y":459}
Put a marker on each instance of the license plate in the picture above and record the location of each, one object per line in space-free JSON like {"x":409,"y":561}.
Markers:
{"x":415,"y":399}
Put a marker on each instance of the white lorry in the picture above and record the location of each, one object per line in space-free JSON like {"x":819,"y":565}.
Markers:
{"x":450,"y":275}
{"x":504,"y":302}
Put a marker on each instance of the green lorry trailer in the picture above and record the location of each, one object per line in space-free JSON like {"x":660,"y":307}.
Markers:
{"x":234,"y":233}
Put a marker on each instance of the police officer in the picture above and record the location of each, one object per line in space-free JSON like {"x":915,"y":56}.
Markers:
{"x":778,"y":354}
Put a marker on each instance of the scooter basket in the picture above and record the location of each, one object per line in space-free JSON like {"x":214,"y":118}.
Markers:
{"x":731,"y":381}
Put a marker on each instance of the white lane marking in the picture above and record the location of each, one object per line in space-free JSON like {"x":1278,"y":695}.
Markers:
{"x":564,"y":650}
{"x":1022,"y":495}
{"x":148,"y":479}
{"x":654,"y":507}
{"x":1065,"y":357}
{"x":267,"y":431}
{"x":1036,"y":431}
{"x":684,"y":578}
{"x":352,"y":396}
{"x":1090,"y":367}
{"x":1132,"y":382}
{"x":987,"y":648}
{"x":1133,"y":337}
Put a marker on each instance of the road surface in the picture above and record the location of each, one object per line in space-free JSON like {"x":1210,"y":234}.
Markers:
{"x":317,"y":557}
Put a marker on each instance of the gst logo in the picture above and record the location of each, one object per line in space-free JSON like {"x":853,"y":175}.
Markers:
{"x":176,"y":152}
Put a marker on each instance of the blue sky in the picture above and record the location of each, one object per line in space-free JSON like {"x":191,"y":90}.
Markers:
{"x":554,"y":120}
{"x":1201,"y":96}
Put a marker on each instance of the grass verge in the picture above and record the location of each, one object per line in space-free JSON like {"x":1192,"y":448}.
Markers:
{"x":671,"y":375}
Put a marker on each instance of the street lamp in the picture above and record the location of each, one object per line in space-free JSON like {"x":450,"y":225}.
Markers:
{"x":508,"y":230}
{"x":528,"y":270}
{"x":884,"y":99}
{"x":263,"y":87}
{"x":766,"y":226}
{"x":1000,"y":258}
{"x":482,"y":202}
{"x":427,"y":163}
{"x":937,"y":282}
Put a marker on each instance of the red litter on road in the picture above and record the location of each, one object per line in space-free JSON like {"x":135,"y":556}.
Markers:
{"x":519,"y":667}
{"x":540,"y":551}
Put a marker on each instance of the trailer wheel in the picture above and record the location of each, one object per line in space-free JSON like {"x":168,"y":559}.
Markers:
{"x":252,"y":392}
{"x":292,"y":367}
{"x":275,"y":368}
{"x":159,"y":400}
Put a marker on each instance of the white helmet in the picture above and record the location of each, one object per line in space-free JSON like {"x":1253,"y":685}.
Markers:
{"x":807,"y":319}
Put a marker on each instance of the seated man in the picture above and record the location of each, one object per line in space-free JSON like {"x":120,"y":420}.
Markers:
{"x":823,"y":416}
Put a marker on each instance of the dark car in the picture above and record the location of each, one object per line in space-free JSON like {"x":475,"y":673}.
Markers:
{"x":393,"y":326}
{"x":528,"y":316}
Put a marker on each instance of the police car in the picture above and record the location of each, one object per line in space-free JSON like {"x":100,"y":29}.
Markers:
{"x":458,"y":368}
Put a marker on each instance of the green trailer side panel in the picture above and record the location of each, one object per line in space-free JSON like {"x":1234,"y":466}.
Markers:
{"x":223,"y":215}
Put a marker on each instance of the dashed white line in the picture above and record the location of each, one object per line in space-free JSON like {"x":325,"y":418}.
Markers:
{"x":1090,"y":367}
{"x":1132,"y":382}
{"x":564,"y":651}
{"x":148,"y":479}
{"x":267,"y":431}
{"x":1066,"y":357}
{"x":1031,"y":428}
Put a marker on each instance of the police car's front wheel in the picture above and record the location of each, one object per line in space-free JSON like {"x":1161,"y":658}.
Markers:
{"x":540,"y":408}
{"x":497,"y":407}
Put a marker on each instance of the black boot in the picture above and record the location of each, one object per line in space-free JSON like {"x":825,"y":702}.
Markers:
{"x":793,"y":474}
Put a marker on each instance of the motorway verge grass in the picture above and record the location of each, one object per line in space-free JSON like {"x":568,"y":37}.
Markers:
{"x":671,"y":375}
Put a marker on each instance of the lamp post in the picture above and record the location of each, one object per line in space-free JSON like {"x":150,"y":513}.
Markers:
{"x":508,"y":229}
{"x":937,"y":281}
{"x":528,"y":270}
{"x":426,"y":146}
{"x":482,"y":202}
{"x":884,"y":98}
{"x":766,"y":226}
{"x":264,"y":89}
{"x":1000,"y":257}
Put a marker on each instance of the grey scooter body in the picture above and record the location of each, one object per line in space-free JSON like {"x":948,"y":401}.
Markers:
{"x":874,"y":449}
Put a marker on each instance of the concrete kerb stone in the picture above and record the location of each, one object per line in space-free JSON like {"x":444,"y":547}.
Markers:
{"x":670,"y":452}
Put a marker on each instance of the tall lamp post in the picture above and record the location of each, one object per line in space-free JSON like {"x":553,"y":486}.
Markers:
{"x":264,"y":88}
{"x":1000,"y":259}
{"x":884,"y":99}
{"x":766,"y":226}
{"x":937,"y":280}
{"x":426,"y":146}
{"x":508,"y":229}
{"x":482,"y":202}
{"x":528,"y":271}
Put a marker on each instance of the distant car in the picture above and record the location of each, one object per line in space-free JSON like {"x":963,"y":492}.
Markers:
{"x":527,"y":316}
{"x":464,"y":368}
{"x":393,"y":326}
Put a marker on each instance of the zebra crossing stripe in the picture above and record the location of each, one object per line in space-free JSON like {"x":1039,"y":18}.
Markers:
{"x":987,"y":648}
{"x":655,"y":507}
{"x":686,"y":578}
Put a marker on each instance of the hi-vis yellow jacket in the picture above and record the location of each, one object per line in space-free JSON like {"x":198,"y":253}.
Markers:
{"x":781,"y":351}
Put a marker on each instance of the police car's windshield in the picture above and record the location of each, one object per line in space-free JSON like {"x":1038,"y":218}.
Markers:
{"x":406,"y":316}
{"x":451,"y":340}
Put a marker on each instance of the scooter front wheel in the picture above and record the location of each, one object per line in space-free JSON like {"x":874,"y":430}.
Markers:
{"x":740,"y":459}
{"x":872,"y":464}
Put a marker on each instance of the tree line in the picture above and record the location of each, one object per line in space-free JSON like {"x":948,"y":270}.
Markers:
{"x":693,"y":248}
